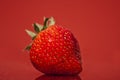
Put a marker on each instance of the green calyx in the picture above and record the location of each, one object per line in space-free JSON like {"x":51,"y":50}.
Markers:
{"x":38,"y":28}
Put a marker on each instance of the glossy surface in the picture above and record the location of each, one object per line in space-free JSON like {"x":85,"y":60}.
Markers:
{"x":95,"y":23}
{"x":56,"y":51}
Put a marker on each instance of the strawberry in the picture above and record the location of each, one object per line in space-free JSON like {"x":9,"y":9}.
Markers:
{"x":49,"y":77}
{"x":54,"y":49}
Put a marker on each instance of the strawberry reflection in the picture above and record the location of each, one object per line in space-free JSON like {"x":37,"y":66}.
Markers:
{"x":51,"y":77}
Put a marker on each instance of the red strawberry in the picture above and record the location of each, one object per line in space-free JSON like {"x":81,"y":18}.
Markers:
{"x":54,"y":49}
{"x":49,"y":77}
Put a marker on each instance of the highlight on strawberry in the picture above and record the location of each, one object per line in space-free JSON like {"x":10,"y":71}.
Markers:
{"x":54,"y":50}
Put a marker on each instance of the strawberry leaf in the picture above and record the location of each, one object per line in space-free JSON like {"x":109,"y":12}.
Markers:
{"x":44,"y":18}
{"x":45,"y":23}
{"x":30,"y":33}
{"x":37,"y":27}
{"x":52,"y":21}
{"x":28,"y":47}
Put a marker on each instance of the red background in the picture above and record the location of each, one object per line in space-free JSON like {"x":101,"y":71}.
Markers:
{"x":95,"y":23}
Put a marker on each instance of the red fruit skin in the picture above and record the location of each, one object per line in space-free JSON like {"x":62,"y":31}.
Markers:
{"x":49,"y":77}
{"x":56,"y":51}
